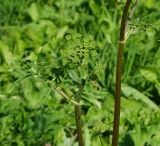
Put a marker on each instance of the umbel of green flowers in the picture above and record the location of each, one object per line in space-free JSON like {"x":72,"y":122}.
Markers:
{"x":77,"y":52}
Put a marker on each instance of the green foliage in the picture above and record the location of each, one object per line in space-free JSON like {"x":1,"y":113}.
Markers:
{"x":58,"y":42}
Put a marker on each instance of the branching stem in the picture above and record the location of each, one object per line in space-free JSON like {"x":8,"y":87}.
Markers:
{"x":78,"y":113}
{"x":77,"y":107}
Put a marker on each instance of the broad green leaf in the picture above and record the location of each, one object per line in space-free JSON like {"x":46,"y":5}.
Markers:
{"x":39,"y":99}
{"x":149,"y":74}
{"x":149,"y":3}
{"x":139,"y":137}
{"x":61,"y":32}
{"x":35,"y":32}
{"x":33,"y":12}
{"x":94,"y":7}
{"x":131,"y":92}
{"x":6,"y":53}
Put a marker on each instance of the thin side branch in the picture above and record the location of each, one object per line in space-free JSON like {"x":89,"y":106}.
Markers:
{"x":133,"y":10}
{"x":59,"y":90}
{"x":131,"y":15}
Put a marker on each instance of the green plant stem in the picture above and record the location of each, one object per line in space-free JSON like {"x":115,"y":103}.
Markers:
{"x":100,"y":138}
{"x":119,"y":74}
{"x":78,"y":114}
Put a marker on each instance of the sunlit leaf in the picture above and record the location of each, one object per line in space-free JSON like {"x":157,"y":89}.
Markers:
{"x":131,"y":92}
{"x":33,"y":12}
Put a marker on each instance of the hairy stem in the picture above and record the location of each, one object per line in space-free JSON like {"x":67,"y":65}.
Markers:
{"x":78,"y":114}
{"x":119,"y":74}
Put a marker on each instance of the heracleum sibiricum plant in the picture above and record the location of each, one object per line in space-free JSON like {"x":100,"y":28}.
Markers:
{"x":31,"y":115}
{"x":122,"y":38}
{"x":78,"y":53}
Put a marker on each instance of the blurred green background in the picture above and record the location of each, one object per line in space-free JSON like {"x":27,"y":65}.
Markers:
{"x":33,"y":48}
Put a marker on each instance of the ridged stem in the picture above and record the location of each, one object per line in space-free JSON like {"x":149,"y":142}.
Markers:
{"x":119,"y":74}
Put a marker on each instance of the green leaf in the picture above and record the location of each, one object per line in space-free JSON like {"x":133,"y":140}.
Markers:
{"x":157,"y":85}
{"x":149,"y":3}
{"x":135,"y":94}
{"x":35,"y":32}
{"x":94,"y":7}
{"x":62,"y":31}
{"x":39,"y":99}
{"x":149,"y":74}
{"x":4,"y":49}
{"x":33,"y":12}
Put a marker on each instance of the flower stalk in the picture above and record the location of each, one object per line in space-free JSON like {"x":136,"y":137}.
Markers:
{"x":78,"y":114}
{"x":123,"y":29}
